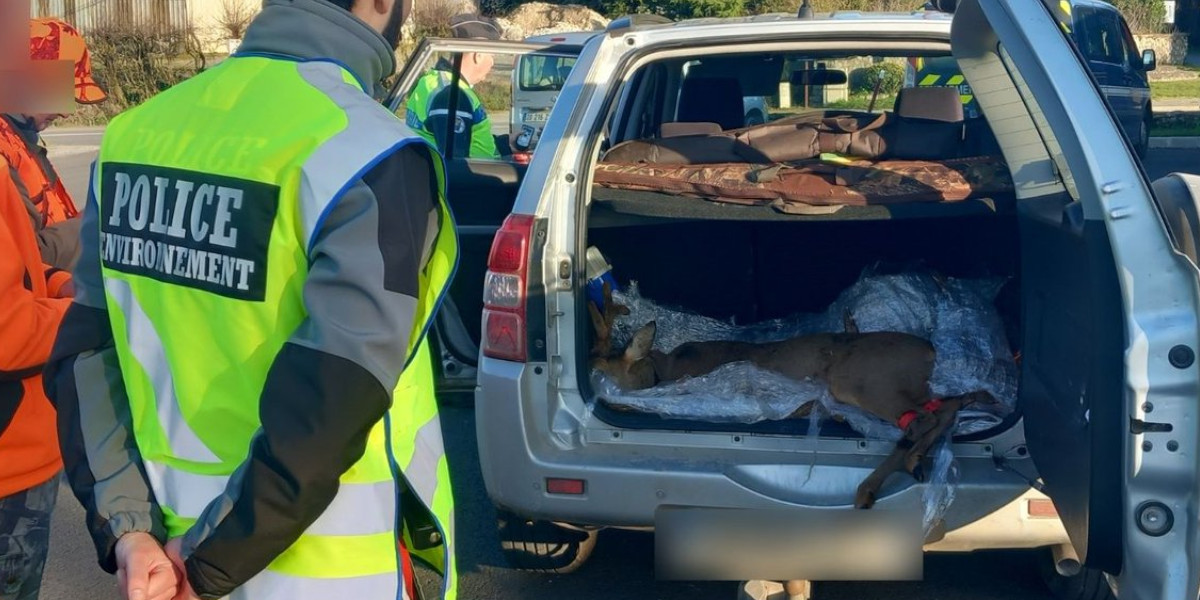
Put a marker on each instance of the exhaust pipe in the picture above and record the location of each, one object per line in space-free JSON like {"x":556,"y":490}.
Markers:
{"x":1066,"y":561}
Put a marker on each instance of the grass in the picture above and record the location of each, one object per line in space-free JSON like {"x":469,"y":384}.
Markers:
{"x":1185,"y":88}
{"x":495,"y":95}
{"x":84,"y":116}
{"x":1193,"y":131}
{"x":1176,"y":125}
{"x":863,"y":101}
{"x":854,"y":102}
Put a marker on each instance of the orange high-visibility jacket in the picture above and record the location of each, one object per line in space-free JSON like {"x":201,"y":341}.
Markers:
{"x":30,"y":314}
{"x":47,"y":203}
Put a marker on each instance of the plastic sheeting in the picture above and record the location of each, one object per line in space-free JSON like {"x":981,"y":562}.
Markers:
{"x":956,"y":315}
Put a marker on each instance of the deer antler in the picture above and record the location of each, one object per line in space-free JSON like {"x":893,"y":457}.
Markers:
{"x":603,"y":323}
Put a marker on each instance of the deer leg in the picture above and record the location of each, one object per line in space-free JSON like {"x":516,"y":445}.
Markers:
{"x":868,"y":490}
{"x":909,"y":452}
{"x":944,"y":419}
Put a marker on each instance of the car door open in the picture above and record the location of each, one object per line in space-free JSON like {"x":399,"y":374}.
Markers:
{"x":464,"y":112}
{"x":1110,"y":385}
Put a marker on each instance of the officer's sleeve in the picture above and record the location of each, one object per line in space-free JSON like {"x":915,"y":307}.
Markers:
{"x":333,"y":380}
{"x":83,"y":380}
{"x":59,"y":243}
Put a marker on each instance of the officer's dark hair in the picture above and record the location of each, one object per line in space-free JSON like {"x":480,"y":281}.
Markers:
{"x":345,"y":4}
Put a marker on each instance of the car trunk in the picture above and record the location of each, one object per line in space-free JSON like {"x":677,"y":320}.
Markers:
{"x":750,"y":264}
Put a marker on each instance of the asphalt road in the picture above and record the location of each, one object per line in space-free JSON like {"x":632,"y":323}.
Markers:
{"x":623,"y":563}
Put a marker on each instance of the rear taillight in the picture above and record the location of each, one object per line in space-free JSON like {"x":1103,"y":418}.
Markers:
{"x":504,"y":290}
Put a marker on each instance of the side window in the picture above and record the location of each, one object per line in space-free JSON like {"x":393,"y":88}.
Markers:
{"x":473,"y":119}
{"x":1098,"y":36}
{"x":1118,"y":50}
{"x":1113,"y":48}
{"x":1131,"y":50}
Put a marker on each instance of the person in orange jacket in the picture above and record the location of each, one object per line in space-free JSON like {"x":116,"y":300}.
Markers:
{"x":35,"y":291}
{"x":51,"y":209}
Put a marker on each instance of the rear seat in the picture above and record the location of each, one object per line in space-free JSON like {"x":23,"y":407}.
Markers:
{"x":712,"y":99}
{"x":929,"y":124}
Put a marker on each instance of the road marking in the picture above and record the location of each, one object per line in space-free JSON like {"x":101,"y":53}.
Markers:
{"x":69,"y":150}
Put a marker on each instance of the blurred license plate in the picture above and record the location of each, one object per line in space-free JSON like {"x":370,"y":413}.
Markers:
{"x":779,"y":545}
{"x":537,"y":117}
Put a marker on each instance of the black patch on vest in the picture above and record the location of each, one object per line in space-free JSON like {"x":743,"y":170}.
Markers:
{"x":199,"y":230}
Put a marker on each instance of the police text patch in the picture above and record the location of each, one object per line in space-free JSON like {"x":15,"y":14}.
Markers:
{"x":199,"y":230}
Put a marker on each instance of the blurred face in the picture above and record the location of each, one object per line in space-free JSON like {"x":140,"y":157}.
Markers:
{"x":384,"y":16}
{"x":43,"y":120}
{"x":391,"y":31}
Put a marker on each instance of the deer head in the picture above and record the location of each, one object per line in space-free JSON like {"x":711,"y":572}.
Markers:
{"x":632,"y":369}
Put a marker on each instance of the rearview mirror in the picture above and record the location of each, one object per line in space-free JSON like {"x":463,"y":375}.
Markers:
{"x":809,"y":77}
{"x":1149,"y":60}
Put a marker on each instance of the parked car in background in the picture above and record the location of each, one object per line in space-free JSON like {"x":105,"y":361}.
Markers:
{"x":536,"y":82}
{"x":539,"y":78}
{"x":1108,"y":47}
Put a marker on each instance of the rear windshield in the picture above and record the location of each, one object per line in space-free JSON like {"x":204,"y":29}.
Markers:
{"x":544,"y":73}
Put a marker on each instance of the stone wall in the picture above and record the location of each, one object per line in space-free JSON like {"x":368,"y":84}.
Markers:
{"x":1169,"y":48}
{"x":541,"y":18}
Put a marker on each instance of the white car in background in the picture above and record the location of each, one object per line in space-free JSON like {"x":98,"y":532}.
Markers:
{"x":538,"y":78}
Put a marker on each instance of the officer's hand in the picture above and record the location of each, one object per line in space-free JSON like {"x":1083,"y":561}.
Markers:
{"x":143,"y":570}
{"x":185,"y":589}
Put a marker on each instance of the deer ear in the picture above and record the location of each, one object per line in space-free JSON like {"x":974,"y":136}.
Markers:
{"x":643,"y":341}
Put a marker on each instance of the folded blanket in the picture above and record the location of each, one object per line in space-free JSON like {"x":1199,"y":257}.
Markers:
{"x":798,"y":187}
{"x":801,"y":137}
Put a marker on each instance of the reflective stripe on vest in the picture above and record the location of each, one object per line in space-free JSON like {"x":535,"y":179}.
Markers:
{"x":195,"y":420}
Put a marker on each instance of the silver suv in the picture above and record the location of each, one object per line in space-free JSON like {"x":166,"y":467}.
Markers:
{"x":1096,"y":460}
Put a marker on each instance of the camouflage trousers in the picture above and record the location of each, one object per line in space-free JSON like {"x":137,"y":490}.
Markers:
{"x":25,"y":539}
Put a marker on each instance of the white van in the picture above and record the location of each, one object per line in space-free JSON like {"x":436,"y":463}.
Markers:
{"x":537,"y":79}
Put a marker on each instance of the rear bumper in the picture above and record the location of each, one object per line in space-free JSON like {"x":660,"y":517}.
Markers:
{"x":630,"y":474}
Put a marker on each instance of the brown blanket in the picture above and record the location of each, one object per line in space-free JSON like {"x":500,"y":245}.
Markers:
{"x":795,"y":138}
{"x":812,"y":186}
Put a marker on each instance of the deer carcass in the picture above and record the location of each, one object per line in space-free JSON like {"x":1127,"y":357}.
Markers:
{"x":884,"y":373}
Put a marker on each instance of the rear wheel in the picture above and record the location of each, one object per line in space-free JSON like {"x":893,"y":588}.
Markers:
{"x":542,"y":546}
{"x":1088,"y":584}
{"x":1142,"y":143}
{"x":755,"y":117}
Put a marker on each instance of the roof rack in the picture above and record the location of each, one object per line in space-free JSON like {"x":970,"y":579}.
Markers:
{"x":626,"y":22}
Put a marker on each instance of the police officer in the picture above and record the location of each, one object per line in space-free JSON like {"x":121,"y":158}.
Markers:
{"x":243,"y":376}
{"x":428,"y":106}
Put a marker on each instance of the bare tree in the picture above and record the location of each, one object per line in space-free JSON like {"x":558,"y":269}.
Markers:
{"x":235,"y":17}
